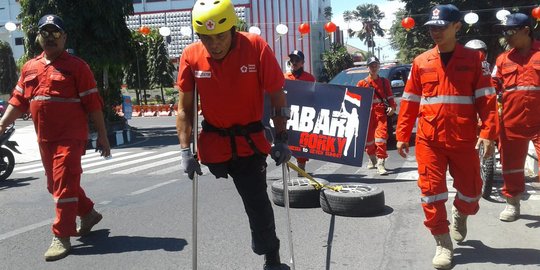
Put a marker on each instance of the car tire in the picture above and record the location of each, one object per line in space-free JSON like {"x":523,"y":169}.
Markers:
{"x":353,"y":200}
{"x":301,"y":193}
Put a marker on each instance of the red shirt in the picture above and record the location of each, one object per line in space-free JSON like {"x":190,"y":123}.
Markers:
{"x":231,"y":91}
{"x":60,"y":96}
{"x":518,"y":78}
{"x":305,"y":76}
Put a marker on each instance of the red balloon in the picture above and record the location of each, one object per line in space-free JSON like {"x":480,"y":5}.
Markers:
{"x":330,"y":27}
{"x":145,"y":30}
{"x":407,"y":23}
{"x":303,"y":28}
{"x":536,"y":13}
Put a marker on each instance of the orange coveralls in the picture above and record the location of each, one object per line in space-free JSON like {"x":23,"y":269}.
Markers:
{"x":448,"y":100}
{"x":60,"y":95}
{"x":378,"y":128}
{"x":518,"y":77}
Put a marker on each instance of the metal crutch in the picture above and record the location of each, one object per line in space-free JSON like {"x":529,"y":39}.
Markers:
{"x":285,"y":171}
{"x":195,"y":192}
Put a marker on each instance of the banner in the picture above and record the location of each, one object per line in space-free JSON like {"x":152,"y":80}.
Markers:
{"x":328,"y":122}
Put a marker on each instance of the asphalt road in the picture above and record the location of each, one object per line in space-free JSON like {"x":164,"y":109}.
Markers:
{"x":147,"y":206}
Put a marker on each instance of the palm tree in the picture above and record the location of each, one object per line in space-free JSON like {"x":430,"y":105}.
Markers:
{"x":370,"y":16}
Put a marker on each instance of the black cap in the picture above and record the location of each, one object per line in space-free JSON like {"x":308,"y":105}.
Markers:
{"x":515,"y":20}
{"x":297,"y":53}
{"x":372,"y":59}
{"x":441,"y":15}
{"x":51,"y":19}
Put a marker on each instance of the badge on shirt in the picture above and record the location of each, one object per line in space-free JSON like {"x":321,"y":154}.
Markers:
{"x":249,"y":68}
{"x":201,"y":74}
{"x":485,"y":68}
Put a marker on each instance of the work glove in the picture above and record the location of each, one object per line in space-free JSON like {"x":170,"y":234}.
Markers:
{"x":189,"y":164}
{"x":280,"y":152}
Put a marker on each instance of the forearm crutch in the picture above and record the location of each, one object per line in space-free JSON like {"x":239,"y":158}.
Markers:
{"x":195,"y":127}
{"x":285,"y":171}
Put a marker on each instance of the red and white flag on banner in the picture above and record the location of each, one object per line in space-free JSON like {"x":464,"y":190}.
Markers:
{"x":352,"y":97}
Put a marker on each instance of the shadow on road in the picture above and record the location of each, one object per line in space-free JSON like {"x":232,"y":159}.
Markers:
{"x":474,"y":251}
{"x":535,"y":220}
{"x":99,"y":242}
{"x":16,"y":182}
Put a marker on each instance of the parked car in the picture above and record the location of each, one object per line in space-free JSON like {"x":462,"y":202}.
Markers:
{"x":397,"y":74}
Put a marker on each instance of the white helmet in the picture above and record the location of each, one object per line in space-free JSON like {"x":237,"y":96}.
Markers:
{"x":476,"y":44}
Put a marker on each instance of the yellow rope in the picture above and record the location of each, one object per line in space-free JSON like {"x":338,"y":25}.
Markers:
{"x":315,"y":184}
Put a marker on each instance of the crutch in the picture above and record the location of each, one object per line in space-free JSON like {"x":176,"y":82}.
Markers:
{"x":286,"y":175}
{"x":195,"y":193}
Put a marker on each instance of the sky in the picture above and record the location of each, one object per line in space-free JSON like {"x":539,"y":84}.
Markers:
{"x":388,"y":7}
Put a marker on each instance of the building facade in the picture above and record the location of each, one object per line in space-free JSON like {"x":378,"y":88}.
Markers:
{"x":176,"y":14}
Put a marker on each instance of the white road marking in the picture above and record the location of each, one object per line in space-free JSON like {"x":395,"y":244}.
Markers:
{"x":149,"y":165}
{"x":140,"y":191}
{"x":131,"y":162}
{"x":25,"y":229}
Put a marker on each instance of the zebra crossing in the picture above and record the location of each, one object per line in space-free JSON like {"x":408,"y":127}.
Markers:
{"x":168,"y":162}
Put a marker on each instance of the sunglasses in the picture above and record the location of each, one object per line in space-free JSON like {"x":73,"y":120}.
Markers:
{"x":46,"y":34}
{"x":436,"y":28}
{"x":510,"y":32}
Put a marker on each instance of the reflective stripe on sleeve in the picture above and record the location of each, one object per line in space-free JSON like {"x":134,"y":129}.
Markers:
{"x":524,"y":88}
{"x":370,"y":143}
{"x":19,"y":89}
{"x":467,"y":199}
{"x":513,"y":171}
{"x":88,"y":92}
{"x":410,"y":97}
{"x":390,"y":97}
{"x":380,"y":140}
{"x":435,"y":198}
{"x":447,"y":100}
{"x":66,"y":200}
{"x":486,"y":91}
{"x":56,"y":99}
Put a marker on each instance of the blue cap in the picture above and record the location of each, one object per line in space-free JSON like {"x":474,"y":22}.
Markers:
{"x":515,"y":20}
{"x":441,"y":15}
{"x":51,"y":19}
{"x":298,"y":54}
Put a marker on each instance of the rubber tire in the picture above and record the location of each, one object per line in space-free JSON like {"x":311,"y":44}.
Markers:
{"x":354,"y":200}
{"x":6,"y":154}
{"x":301,"y":193}
{"x":487,"y":173}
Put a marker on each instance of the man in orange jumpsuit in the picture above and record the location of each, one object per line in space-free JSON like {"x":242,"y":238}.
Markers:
{"x":232,"y":71}
{"x":516,"y":76}
{"x":383,"y":106}
{"x":61,"y":92}
{"x":296,"y":60}
{"x":447,"y":89}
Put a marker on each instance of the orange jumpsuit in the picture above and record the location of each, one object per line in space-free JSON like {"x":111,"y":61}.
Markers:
{"x":447,"y":101}
{"x":60,"y":95}
{"x":378,"y":129}
{"x":518,"y":77}
{"x":305,"y":76}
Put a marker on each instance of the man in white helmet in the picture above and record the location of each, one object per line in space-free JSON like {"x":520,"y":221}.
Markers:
{"x":232,"y":71}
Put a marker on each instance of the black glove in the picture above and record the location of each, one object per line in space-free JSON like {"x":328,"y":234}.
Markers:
{"x":189,"y":164}
{"x":280,"y":152}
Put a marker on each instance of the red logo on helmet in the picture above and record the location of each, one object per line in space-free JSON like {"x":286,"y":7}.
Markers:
{"x":210,"y":25}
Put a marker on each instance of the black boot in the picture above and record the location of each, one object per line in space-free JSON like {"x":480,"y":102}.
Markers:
{"x":272,"y":262}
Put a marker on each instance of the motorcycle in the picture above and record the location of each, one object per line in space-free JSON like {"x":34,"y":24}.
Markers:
{"x":7,"y":159}
{"x":26,"y":116}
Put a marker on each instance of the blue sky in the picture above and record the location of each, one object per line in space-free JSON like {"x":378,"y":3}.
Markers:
{"x":388,"y":7}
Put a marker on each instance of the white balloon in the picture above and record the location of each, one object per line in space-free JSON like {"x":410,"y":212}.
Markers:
{"x":385,"y":24}
{"x":471,"y":18}
{"x":10,"y":26}
{"x":501,"y":14}
{"x":186,"y":31}
{"x":282,"y":29}
{"x":356,"y":26}
{"x":164,"y":31}
{"x":255,"y":30}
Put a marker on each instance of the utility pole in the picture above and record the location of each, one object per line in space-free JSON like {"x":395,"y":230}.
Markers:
{"x":378,"y":52}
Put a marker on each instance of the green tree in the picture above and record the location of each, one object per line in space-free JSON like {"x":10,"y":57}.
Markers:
{"x":136,"y":69}
{"x":370,"y":16}
{"x":97,"y":33}
{"x":8,"y":69}
{"x":417,"y":40}
{"x":160,"y":68}
{"x":335,"y":59}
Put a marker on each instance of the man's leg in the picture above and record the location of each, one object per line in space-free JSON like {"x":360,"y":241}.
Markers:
{"x":513,"y":154}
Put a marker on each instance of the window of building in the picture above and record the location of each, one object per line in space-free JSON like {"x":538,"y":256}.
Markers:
{"x":19,"y":41}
